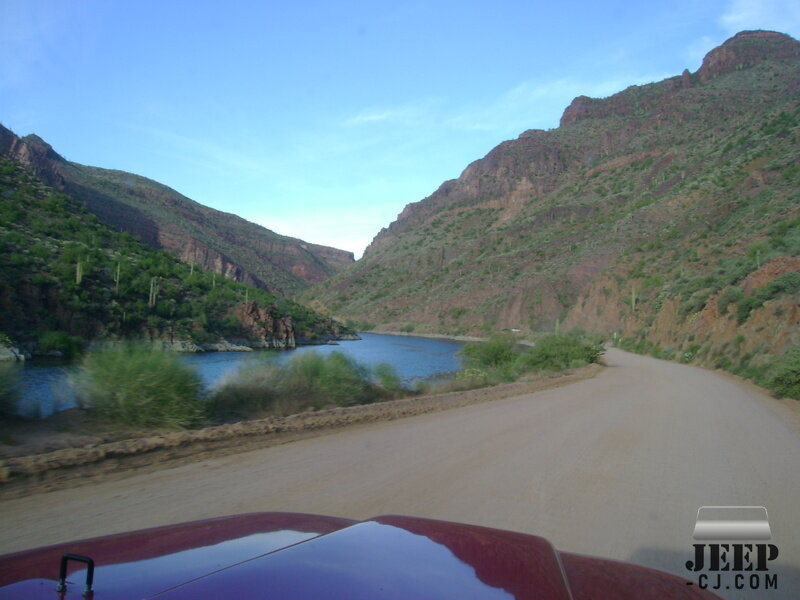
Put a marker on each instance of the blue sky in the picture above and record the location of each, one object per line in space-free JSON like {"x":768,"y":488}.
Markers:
{"x":322,"y":120}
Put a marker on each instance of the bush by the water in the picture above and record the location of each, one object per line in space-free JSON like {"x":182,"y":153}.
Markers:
{"x":59,"y":342}
{"x":497,"y":351}
{"x":308,"y":380}
{"x":784,"y":375}
{"x":141,"y":386}
{"x":557,"y":352}
{"x":498,"y":359}
{"x":9,"y":388}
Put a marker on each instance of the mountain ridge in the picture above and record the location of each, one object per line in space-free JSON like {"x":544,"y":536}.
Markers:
{"x":165,"y":219}
{"x":639,"y":188}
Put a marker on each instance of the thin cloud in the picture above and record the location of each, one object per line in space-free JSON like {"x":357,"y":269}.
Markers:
{"x":412,"y":113}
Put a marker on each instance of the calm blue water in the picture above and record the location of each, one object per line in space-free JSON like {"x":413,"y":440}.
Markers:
{"x":45,"y":387}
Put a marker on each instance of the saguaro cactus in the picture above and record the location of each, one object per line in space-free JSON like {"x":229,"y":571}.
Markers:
{"x":151,"y":301}
{"x":116,"y":279}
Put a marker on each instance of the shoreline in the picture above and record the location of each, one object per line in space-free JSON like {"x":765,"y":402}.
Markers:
{"x":17,"y":353}
{"x":433,"y":336}
{"x":79,"y":463}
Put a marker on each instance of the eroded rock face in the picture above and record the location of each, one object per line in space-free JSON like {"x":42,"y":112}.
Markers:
{"x":33,"y":153}
{"x":261,"y":324}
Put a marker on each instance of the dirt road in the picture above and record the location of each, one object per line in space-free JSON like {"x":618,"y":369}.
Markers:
{"x":615,"y":466}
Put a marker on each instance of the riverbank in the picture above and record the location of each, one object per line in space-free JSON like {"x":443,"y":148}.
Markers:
{"x":22,"y":352}
{"x":443,"y":336}
{"x":430,"y":336}
{"x":67,"y":452}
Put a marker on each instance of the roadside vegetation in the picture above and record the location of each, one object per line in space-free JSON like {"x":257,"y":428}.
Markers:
{"x":308,"y":381}
{"x":501,"y":359}
{"x":141,"y":387}
{"x":138,"y":386}
{"x":783,"y":377}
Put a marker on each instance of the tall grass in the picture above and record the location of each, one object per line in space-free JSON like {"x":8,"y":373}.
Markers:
{"x":140,"y":386}
{"x":309,"y":380}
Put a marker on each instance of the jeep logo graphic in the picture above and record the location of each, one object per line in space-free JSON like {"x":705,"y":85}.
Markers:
{"x":741,"y":565}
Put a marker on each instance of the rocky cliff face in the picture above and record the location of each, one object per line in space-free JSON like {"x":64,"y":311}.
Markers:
{"x":160,"y":216}
{"x":261,"y":323}
{"x":668,"y":191}
{"x":34,"y":154}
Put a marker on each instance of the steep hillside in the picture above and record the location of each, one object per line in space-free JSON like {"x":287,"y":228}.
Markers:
{"x":634,"y":216}
{"x":65,"y":278}
{"x":196,"y":234}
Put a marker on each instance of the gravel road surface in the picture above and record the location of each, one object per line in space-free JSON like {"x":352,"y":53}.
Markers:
{"x":615,"y":466}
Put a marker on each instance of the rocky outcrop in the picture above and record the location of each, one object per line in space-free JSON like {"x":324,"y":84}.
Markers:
{"x":265,"y":325}
{"x":34,"y":154}
{"x":746,"y":49}
{"x":12,"y":354}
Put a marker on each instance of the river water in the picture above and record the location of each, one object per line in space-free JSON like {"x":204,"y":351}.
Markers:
{"x":46,"y":389}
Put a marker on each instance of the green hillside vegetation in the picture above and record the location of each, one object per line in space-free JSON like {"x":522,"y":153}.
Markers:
{"x":266,"y":255}
{"x":65,"y":278}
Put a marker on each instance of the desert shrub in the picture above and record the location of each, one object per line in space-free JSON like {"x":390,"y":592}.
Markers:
{"x":140,"y":386}
{"x":788,"y":283}
{"x":59,"y":341}
{"x":387,"y":378}
{"x":730,"y":296}
{"x":9,"y":388}
{"x":250,"y":391}
{"x":784,"y":375}
{"x":335,"y":378}
{"x":556,"y":352}
{"x":308,"y":380}
{"x":497,"y":351}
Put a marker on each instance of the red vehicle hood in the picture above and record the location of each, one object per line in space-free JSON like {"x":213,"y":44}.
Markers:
{"x":288,"y":556}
